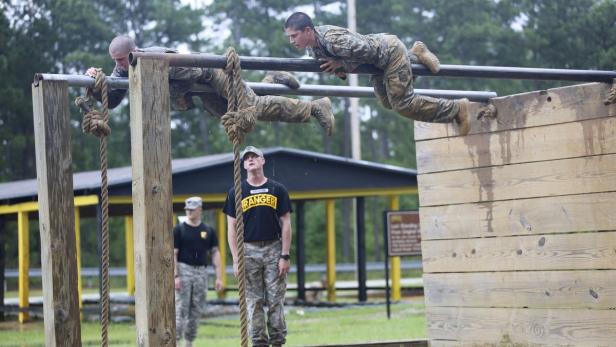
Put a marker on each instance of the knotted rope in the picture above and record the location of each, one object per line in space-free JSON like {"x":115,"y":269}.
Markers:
{"x":611,"y":96}
{"x":96,"y":123}
{"x":238,"y":121}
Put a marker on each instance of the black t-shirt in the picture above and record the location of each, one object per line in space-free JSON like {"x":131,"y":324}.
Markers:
{"x":262,"y":207}
{"x":193,"y":243}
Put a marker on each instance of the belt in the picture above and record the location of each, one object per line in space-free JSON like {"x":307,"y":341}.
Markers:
{"x":262,"y":243}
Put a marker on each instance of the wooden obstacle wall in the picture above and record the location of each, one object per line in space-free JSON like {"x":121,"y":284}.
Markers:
{"x":518,"y":223}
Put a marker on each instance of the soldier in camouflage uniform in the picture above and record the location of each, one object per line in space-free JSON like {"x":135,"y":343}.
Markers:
{"x":191,"y":242}
{"x":182,"y":80}
{"x":342,"y":50}
{"x":266,"y":209}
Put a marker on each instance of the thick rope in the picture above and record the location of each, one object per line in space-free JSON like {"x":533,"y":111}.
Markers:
{"x":96,"y":123}
{"x":238,"y":121}
{"x":611,"y":96}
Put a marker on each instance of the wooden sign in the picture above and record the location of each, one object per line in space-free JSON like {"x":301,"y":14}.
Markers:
{"x":403,"y":235}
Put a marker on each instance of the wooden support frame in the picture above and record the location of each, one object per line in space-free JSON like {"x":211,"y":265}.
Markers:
{"x":150,"y":126}
{"x":56,"y":207}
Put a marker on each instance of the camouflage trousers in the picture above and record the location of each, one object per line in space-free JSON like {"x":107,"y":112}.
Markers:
{"x":395,"y":89}
{"x":269,"y":107}
{"x":265,"y":291}
{"x":189,"y":300}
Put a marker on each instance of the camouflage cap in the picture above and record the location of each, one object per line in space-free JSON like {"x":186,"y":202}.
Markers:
{"x":251,"y":149}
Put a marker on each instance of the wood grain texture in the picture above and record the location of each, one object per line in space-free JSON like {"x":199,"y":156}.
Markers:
{"x":558,"y":214}
{"x":593,"y":289}
{"x":558,"y":105}
{"x":549,"y":178}
{"x":52,"y":137}
{"x":522,"y":327}
{"x":559,"y":141}
{"x":581,"y":251}
{"x":152,"y":203}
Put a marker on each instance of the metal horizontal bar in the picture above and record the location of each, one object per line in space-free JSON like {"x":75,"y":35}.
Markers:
{"x":279,"y":89}
{"x":312,"y":65}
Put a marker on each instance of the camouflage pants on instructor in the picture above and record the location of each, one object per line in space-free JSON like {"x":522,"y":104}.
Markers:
{"x":265,"y":290}
{"x":189,"y":300}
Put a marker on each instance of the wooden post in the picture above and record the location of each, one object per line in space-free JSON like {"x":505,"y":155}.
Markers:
{"x":221,"y":223}
{"x":396,"y":293}
{"x":78,"y":251}
{"x":130,"y":255}
{"x":56,"y":207}
{"x":23,"y":241}
{"x":152,"y":202}
{"x":330,"y":213}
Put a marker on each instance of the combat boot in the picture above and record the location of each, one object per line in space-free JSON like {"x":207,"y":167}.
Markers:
{"x":281,"y":77}
{"x":427,"y":58}
{"x":463,"y":117}
{"x":321,"y":109}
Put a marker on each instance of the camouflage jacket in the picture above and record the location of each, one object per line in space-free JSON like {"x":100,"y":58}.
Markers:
{"x":350,"y":48}
{"x":116,"y":95}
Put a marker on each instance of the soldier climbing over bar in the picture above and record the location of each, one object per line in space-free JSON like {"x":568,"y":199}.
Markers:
{"x":183,"y":79}
{"x":342,"y":51}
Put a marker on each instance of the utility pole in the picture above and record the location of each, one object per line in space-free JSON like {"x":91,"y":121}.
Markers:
{"x":353,"y":81}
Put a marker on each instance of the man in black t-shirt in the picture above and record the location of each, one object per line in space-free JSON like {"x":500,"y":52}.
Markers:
{"x":266,"y":209}
{"x":191,"y":242}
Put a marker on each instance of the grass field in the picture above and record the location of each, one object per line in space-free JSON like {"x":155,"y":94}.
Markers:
{"x":306,"y":326}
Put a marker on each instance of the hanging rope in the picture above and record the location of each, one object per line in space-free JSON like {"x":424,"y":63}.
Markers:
{"x":611,"y":96}
{"x":96,"y":123}
{"x":238,"y":121}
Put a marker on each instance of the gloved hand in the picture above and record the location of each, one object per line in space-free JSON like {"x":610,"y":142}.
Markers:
{"x":281,"y":77}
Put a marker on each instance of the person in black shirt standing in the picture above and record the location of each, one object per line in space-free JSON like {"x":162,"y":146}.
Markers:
{"x":267,"y":211}
{"x":191,"y":242}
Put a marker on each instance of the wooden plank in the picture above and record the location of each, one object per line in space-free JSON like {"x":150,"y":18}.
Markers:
{"x":152,"y":203}
{"x":567,"y":140}
{"x":522,"y":327}
{"x":56,"y":220}
{"x":558,"y":214}
{"x":558,"y":105}
{"x":593,"y":289}
{"x":549,"y":178}
{"x":582,"y":251}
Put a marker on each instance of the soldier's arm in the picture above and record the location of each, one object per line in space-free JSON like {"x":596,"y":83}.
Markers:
{"x":350,"y":50}
{"x":216,"y":261}
{"x":285,"y":220}
{"x":114,"y":96}
{"x":231,"y":238}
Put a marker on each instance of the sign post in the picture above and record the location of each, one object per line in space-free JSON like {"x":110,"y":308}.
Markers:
{"x":402,"y":238}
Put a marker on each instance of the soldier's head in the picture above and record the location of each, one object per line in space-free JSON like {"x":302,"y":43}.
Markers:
{"x":194,"y":207}
{"x":253,"y":159}
{"x":119,"y":48}
{"x":300,"y":30}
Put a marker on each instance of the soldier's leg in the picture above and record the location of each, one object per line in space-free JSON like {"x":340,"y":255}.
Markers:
{"x":283,"y":109}
{"x":274,"y":296}
{"x":399,"y":86}
{"x":255,"y":295}
{"x":182,"y":301}
{"x":197,"y":302}
{"x":379,"y":90}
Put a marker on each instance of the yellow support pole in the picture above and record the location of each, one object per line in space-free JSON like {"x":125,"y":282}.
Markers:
{"x":175,"y":219}
{"x":330,"y":212}
{"x":78,"y":249}
{"x":23,"y":242}
{"x":130,"y":255}
{"x":396,"y":294}
{"x":221,"y":223}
